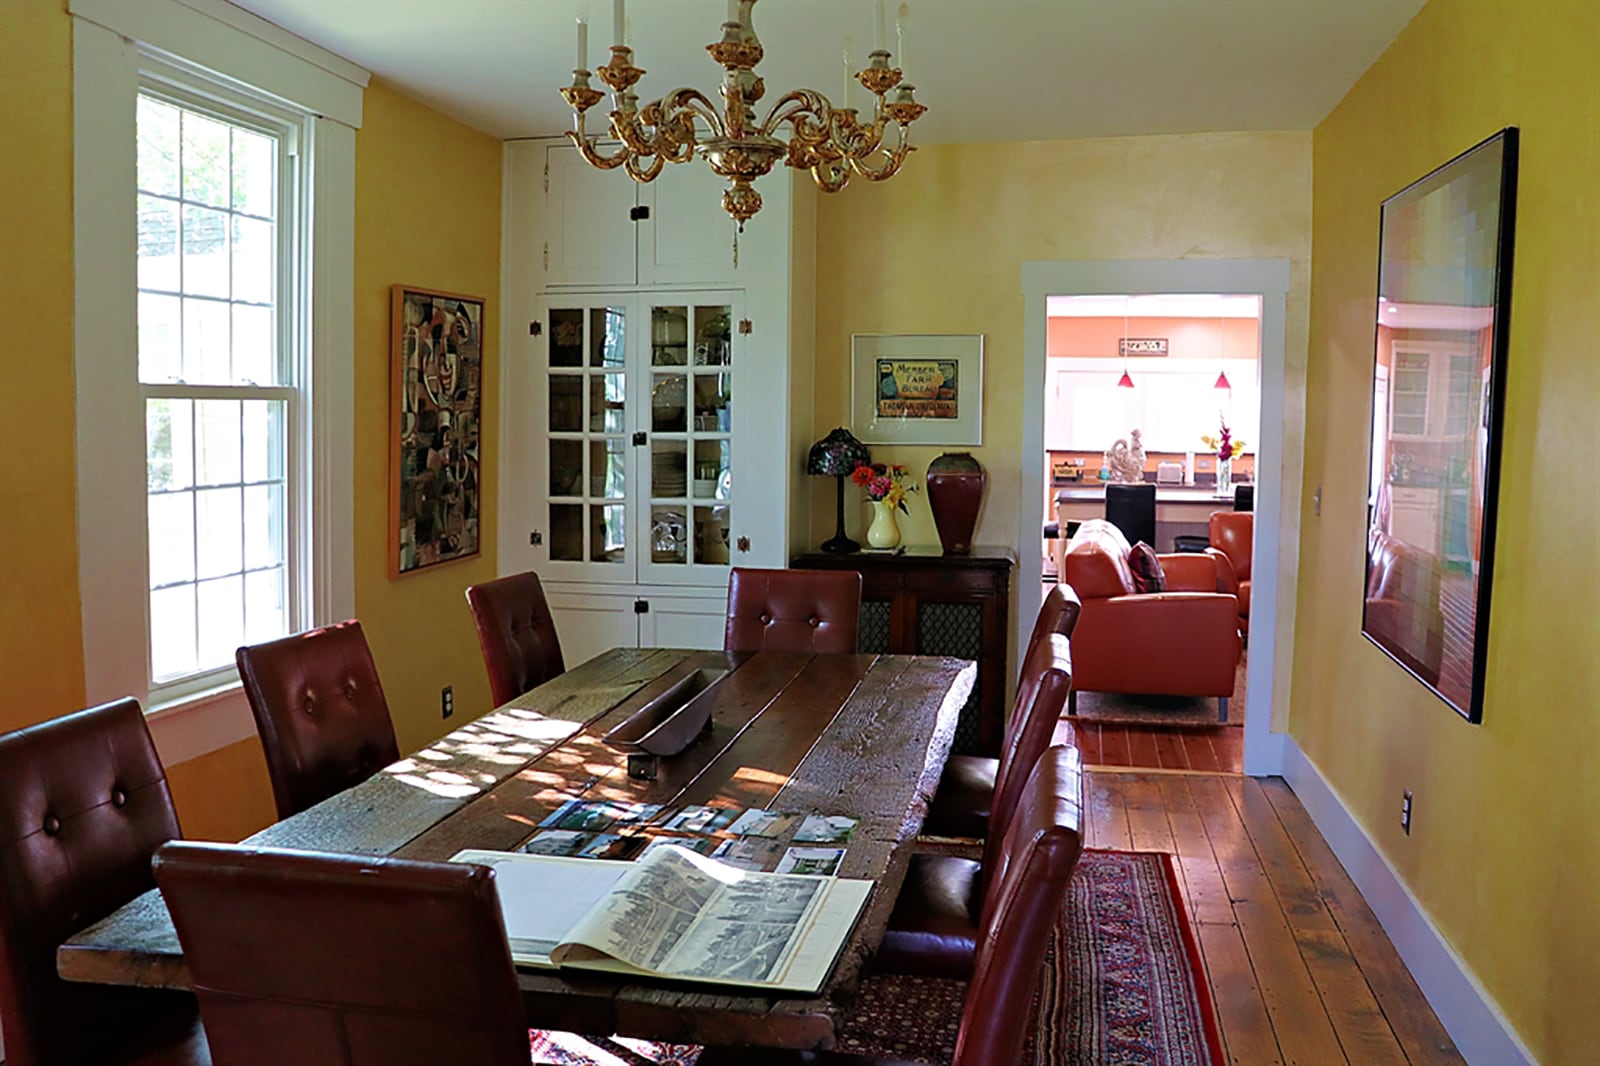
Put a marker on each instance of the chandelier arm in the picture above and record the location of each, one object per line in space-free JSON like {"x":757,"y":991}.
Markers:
{"x":586,"y":149}
{"x":794,"y":106}
{"x":697,"y":104}
{"x":645,"y":174}
{"x":892,"y":162}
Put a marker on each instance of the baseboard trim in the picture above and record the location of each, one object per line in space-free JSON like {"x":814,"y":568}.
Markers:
{"x":1471,"y":1017}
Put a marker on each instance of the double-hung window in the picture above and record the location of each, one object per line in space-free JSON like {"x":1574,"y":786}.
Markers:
{"x":222,"y":376}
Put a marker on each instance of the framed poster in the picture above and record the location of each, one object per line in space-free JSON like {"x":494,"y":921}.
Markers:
{"x":917,"y":388}
{"x":435,"y":415}
{"x":1439,"y":371}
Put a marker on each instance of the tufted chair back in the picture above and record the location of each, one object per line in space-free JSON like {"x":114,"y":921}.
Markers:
{"x":517,"y":635}
{"x":83,"y":804}
{"x":298,"y":958}
{"x":1024,"y":901}
{"x":793,"y":610}
{"x":1035,"y":714}
{"x":320,"y":710}
{"x":1058,"y":614}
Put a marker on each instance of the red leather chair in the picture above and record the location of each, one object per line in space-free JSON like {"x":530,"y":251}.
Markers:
{"x":1402,"y":609}
{"x":83,"y":805}
{"x":793,"y":610}
{"x":1180,"y":642}
{"x":517,"y":634}
{"x":935,"y":926}
{"x":1025,"y":900}
{"x":320,"y":710}
{"x":1232,"y":533}
{"x":976,"y":792}
{"x":300,"y":958}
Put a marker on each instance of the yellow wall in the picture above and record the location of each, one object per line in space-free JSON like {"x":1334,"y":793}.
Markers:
{"x":41,"y":648}
{"x":428,"y":215}
{"x":940,"y":250}
{"x":1504,"y":853}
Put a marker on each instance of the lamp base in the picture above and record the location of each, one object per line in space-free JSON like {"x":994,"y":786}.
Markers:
{"x":839,"y":545}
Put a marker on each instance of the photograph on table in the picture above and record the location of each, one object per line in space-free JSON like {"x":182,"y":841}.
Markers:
{"x":436,"y":411}
{"x":822,"y":862}
{"x":825,"y":829}
{"x":917,"y":388}
{"x":1439,"y":369}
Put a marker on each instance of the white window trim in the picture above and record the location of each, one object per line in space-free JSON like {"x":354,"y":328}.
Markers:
{"x":112,"y":534}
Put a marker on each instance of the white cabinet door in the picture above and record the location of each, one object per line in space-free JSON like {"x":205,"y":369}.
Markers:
{"x":682,"y":621}
{"x":592,"y":240}
{"x":688,"y":238}
{"x":1414,"y":517}
{"x":590,"y":621}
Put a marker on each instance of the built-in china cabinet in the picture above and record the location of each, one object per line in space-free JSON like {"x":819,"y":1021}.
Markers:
{"x":654,"y":398}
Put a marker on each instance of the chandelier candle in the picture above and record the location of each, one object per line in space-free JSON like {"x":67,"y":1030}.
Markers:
{"x":736,"y":142}
{"x":619,"y":22}
{"x":583,"y":45}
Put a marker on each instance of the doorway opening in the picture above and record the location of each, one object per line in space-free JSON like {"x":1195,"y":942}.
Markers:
{"x":1111,"y":347}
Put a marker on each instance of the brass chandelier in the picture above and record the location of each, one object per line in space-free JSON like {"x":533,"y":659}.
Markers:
{"x":831,"y":142}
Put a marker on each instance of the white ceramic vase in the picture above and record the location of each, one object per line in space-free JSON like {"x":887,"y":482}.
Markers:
{"x":884,"y":531}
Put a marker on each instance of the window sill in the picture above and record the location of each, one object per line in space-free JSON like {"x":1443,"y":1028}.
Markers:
{"x":197,"y":723}
{"x":177,"y":705}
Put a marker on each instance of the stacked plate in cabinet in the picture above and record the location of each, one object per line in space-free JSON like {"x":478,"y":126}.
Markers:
{"x":669,"y":474}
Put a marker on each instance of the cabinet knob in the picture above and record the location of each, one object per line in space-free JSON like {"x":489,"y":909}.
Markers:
{"x":743,"y":544}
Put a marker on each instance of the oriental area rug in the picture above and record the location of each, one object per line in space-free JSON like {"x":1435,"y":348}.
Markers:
{"x":1122,"y":986}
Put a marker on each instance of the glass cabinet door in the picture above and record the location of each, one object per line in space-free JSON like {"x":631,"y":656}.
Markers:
{"x":587,"y":438}
{"x":688,"y":415}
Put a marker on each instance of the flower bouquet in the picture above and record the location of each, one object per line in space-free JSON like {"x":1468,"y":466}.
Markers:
{"x":1225,"y":446}
{"x":884,"y":483}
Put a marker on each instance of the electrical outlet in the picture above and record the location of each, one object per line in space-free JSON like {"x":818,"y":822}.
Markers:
{"x":447,"y":703}
{"x":1405,"y":812}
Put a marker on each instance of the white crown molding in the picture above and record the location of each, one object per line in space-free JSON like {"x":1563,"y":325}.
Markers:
{"x":226,"y":39}
{"x":1466,"y":1010}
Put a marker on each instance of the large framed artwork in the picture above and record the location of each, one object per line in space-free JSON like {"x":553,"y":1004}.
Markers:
{"x":1439,"y":370}
{"x":436,"y":411}
{"x":917,"y":388}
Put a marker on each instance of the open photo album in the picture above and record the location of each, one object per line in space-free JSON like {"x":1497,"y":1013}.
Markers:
{"x":675,"y":914}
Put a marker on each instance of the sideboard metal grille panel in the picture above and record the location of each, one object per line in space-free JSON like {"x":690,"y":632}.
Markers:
{"x":954,"y":629}
{"x":873,"y":637}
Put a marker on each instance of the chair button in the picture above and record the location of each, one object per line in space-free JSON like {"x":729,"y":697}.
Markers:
{"x":52,"y":825}
{"x":814,"y":621}
{"x":119,"y":797}
{"x":766,"y":619}
{"x":310,"y":703}
{"x":350,"y":689}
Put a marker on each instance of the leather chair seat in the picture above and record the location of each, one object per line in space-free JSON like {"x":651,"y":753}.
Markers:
{"x":148,"y":1028}
{"x":933,"y":930}
{"x":960,"y":807}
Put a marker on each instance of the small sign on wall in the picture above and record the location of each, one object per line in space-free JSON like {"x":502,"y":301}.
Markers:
{"x":1142,"y":346}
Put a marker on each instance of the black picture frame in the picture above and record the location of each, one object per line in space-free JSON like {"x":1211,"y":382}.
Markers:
{"x":1439,"y":370}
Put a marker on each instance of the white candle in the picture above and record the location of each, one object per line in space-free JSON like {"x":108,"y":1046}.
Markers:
{"x":901,"y":19}
{"x":583,"y":45}
{"x":878,"y":34}
{"x":733,"y":10}
{"x":619,"y":21}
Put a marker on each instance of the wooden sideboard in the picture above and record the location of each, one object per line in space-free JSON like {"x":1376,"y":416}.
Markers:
{"x":919,"y":601}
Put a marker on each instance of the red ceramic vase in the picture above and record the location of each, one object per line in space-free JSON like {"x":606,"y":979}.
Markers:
{"x":956,"y":482}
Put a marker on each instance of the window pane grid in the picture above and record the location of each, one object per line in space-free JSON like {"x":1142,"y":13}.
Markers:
{"x":218,"y":385}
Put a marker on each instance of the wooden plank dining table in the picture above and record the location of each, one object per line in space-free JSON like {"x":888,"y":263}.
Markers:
{"x":859,"y":735}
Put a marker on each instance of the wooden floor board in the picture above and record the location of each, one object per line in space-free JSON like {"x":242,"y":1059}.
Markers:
{"x":1299,"y":970}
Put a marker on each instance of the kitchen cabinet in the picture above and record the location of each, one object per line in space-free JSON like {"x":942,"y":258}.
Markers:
{"x":1433,"y":391}
{"x":1173,"y":402}
{"x":1414,"y":516}
{"x":646,"y":430}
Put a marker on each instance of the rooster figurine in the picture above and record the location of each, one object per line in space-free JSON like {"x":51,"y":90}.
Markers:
{"x":1127,"y":460}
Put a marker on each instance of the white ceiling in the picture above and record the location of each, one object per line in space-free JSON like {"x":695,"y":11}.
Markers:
{"x":989,"y":70}
{"x":1154,"y":305}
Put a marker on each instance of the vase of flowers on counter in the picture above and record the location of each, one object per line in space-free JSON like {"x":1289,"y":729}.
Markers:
{"x":1227,"y":449}
{"x":886,"y":487}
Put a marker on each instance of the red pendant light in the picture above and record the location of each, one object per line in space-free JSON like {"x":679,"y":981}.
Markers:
{"x":1223,"y":382}
{"x":1125,"y":382}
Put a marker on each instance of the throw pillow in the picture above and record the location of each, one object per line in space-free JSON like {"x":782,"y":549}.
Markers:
{"x":1146,"y":566}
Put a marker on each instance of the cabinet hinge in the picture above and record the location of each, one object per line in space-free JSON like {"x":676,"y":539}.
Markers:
{"x":547,"y":255}
{"x":639,"y":213}
{"x":535,"y":538}
{"x":547,"y":177}
{"x":745,"y":327}
{"x":641,"y":606}
{"x":535,"y":329}
{"x":743,"y":544}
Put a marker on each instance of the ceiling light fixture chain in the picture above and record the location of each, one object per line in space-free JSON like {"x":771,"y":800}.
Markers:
{"x":833,"y":143}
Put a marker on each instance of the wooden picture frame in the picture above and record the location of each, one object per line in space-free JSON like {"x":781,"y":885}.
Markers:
{"x":1439,"y":371}
{"x":917,"y":388}
{"x":435,"y":424}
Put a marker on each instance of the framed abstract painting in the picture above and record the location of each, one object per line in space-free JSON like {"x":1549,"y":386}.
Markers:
{"x":436,"y":412}
{"x":1439,"y":371}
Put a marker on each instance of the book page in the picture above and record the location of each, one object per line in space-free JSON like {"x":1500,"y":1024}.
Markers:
{"x":543,"y":897}
{"x":648,"y":911}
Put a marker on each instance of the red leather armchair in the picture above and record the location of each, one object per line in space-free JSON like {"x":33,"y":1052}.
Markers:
{"x":83,"y":804}
{"x":320,"y":711}
{"x":1181,"y":642}
{"x":793,"y":610}
{"x":1232,"y":533}
{"x":1402,"y":605}
{"x":516,"y":634}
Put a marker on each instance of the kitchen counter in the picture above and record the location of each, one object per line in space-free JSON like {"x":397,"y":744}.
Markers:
{"x":1180,"y":509}
{"x":1096,"y":492}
